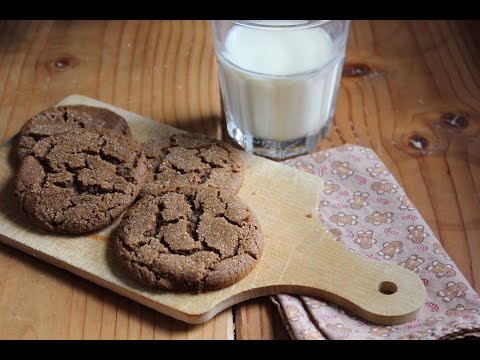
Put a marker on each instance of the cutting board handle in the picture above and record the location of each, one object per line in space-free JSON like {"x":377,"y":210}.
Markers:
{"x":381,"y":292}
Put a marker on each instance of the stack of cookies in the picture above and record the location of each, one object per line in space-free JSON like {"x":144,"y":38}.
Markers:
{"x":80,"y":169}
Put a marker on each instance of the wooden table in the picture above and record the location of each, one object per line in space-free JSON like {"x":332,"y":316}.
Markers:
{"x":410,"y":91}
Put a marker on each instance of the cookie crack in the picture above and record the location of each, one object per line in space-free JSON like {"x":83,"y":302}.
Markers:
{"x":158,"y":275}
{"x":235,"y":251}
{"x":96,"y":189}
{"x":194,"y":218}
{"x":203,"y":176}
{"x":253,"y":256}
{"x":235,"y":167}
{"x":177,"y":169}
{"x":158,"y":157}
{"x":90,"y":152}
{"x":127,"y":170}
{"x":124,"y":245}
{"x":211,"y":249}
{"x":64,"y":116}
{"x":108,"y":158}
{"x":211,"y":164}
{"x":47,"y":168}
{"x":202,"y":157}
{"x":37,"y":137}
{"x":160,"y":222}
{"x":61,"y":184}
{"x":230,"y":221}
{"x":82,"y":189}
{"x":71,"y":169}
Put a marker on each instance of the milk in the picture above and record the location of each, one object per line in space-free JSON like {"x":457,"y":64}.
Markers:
{"x":279,"y":88}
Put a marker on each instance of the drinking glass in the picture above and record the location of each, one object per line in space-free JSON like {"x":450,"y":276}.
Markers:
{"x":279,"y":81}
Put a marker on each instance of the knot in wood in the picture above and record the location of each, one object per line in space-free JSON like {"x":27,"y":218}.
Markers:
{"x":63,"y":63}
{"x":356,"y":70}
{"x":417,"y":142}
{"x":457,"y":121}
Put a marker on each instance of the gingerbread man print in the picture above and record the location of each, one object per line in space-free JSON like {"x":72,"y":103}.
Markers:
{"x":412,"y":263}
{"x":305,"y":167}
{"x":292,"y":313}
{"x":390,"y":249}
{"x":460,"y":311}
{"x":405,"y":203}
{"x":323,"y":203}
{"x":320,"y":156}
{"x":381,"y":187}
{"x":329,"y":187}
{"x":440,"y":269}
{"x":432,"y":320}
{"x":345,"y":147}
{"x":339,"y":327}
{"x":438,"y":249}
{"x":342,"y":219}
{"x":314,"y":303}
{"x":336,"y":234}
{"x":365,"y":239}
{"x":378,"y":170}
{"x":416,"y":234}
{"x":312,"y":334}
{"x":377,"y":218}
{"x":452,"y":291}
{"x":359,"y":200}
{"x":368,"y":153}
{"x":341,"y":169}
{"x":461,"y":325}
{"x":420,"y":334}
{"x":382,"y":331}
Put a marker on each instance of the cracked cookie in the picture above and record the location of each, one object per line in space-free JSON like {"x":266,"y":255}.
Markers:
{"x":192,"y":159}
{"x":189,"y":239}
{"x":76,"y":182}
{"x":66,"y":118}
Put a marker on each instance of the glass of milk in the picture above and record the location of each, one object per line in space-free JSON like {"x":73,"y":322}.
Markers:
{"x":279,"y":81}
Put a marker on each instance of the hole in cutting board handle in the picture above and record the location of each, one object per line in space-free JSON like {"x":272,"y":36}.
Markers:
{"x":387,"y":287}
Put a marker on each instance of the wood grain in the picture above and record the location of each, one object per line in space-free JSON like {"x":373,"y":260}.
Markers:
{"x":420,"y":69}
{"x":258,"y":319}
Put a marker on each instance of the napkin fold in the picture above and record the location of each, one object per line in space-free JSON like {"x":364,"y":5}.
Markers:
{"x":365,"y":209}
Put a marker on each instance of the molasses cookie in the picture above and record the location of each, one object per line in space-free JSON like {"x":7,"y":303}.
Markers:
{"x":189,"y":239}
{"x":192,"y":159}
{"x":76,"y":182}
{"x":66,"y":118}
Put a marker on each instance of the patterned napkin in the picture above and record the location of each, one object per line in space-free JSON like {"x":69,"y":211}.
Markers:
{"x":365,"y":209}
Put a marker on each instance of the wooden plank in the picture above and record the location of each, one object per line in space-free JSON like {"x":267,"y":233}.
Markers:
{"x":259,"y":319}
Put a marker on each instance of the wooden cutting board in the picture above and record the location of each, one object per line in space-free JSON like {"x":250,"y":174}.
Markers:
{"x":299,"y":257}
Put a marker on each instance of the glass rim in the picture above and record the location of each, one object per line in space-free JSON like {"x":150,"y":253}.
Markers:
{"x":254,"y":25}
